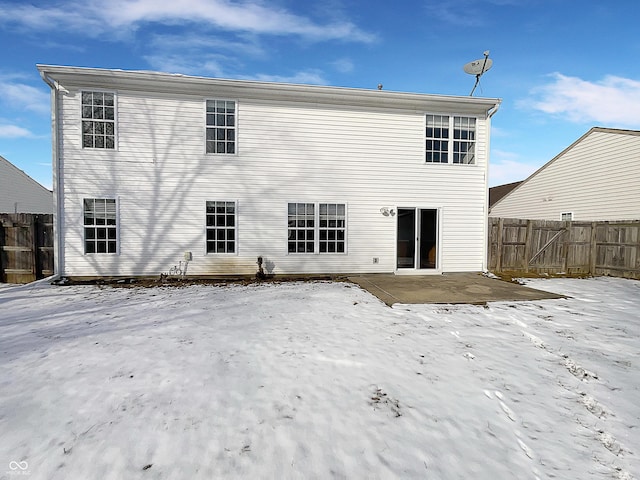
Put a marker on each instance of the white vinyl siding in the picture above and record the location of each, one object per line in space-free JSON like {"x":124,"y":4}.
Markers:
{"x":596,"y":178}
{"x":366,"y":158}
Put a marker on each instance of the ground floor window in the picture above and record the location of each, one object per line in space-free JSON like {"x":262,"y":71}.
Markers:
{"x":221,"y":227}
{"x":100,"y":225}
{"x":317,"y":227}
{"x":332,"y":228}
{"x":302,"y":227}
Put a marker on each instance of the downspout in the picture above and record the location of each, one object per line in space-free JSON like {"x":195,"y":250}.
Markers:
{"x":485,"y":247}
{"x":58,"y":197}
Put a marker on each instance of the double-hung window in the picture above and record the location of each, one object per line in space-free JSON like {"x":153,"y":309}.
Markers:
{"x":437,"y":139}
{"x":221,"y":227}
{"x":221,"y":127}
{"x":450,"y":139}
{"x":100,"y":225}
{"x":316,"y":228}
{"x":302,"y":227}
{"x":98,"y":120}
{"x":332,"y":227}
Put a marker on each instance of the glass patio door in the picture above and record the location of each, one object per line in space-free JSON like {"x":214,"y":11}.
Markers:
{"x":417,"y":238}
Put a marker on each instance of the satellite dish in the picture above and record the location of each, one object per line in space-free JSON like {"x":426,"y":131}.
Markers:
{"x":478,"y":68}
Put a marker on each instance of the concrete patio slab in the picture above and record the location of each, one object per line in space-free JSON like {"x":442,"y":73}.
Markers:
{"x":473,"y":288}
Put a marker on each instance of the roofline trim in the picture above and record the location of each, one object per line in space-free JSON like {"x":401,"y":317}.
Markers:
{"x":133,"y":77}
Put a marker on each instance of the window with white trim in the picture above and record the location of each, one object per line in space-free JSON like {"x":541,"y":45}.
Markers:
{"x":566,"y":216}
{"x":316,"y":228}
{"x":98,"y":120}
{"x":100,"y":225}
{"x":221,"y":127}
{"x":331,"y":232}
{"x":450,"y":139}
{"x":221,"y":227}
{"x":464,"y":140}
{"x":301,"y":229}
{"x":437,"y":139}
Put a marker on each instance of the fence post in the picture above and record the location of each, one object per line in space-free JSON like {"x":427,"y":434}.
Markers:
{"x":2,"y":266}
{"x":499,"y":245}
{"x":528,"y":240}
{"x":593,"y":249}
{"x":565,"y":246}
{"x":37,"y":257}
{"x":34,"y":245}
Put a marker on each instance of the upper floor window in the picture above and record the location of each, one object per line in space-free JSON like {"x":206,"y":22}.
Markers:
{"x":437,"y":139}
{"x":98,"y":120}
{"x":464,"y":140}
{"x":100,"y":225}
{"x":221,"y":126}
{"x":450,"y":139}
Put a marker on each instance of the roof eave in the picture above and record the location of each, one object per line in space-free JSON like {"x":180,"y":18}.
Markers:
{"x":166,"y":82}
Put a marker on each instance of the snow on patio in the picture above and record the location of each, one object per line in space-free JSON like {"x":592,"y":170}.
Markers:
{"x":317,"y":380}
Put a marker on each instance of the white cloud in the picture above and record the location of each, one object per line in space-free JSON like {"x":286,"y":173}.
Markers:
{"x":95,"y":17}
{"x":199,"y":54}
{"x":499,"y":132}
{"x":612,"y":101}
{"x":307,"y":77}
{"x":21,"y":96}
{"x":467,"y":13}
{"x":13,"y":131}
{"x":343,"y":65}
{"x":505,"y":167}
{"x":188,"y":64}
{"x":212,"y":65}
{"x":204,"y":42}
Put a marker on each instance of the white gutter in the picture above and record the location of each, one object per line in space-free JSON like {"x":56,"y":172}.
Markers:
{"x":58,"y":195}
{"x":494,"y":110}
{"x":148,"y":81}
{"x":485,"y":248}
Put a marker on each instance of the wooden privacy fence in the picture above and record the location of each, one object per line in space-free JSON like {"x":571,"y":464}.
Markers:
{"x":572,"y":248}
{"x":26,"y":247}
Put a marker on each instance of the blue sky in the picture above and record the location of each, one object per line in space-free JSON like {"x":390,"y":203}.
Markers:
{"x":560,"y":66}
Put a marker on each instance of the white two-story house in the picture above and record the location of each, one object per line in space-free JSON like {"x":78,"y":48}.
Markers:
{"x":153,"y":170}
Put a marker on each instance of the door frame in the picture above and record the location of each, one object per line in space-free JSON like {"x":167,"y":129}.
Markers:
{"x":415,"y":270}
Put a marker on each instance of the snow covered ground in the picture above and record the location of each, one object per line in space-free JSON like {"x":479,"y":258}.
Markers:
{"x":317,"y":380}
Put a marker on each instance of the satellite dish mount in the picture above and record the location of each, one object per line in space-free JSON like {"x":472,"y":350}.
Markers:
{"x":478,"y":68}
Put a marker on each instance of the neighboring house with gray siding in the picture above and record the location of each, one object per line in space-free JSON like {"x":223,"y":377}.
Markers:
{"x":596,"y":178}
{"x":19,"y":193}
{"x":151,"y":169}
